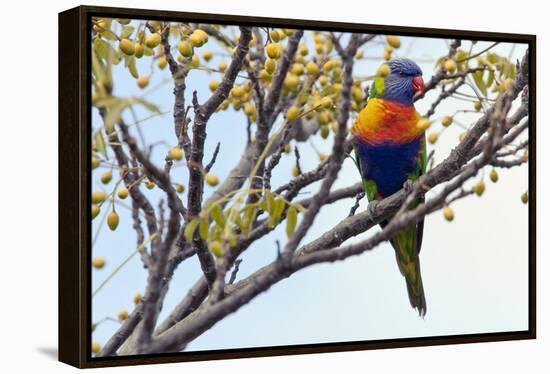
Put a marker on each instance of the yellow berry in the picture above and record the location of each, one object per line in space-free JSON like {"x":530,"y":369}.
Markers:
{"x":291,"y":82}
{"x":493,"y":175}
{"x":95,"y":210}
{"x":185,"y":48}
{"x":312,"y":68}
{"x":156,"y":25}
{"x":216,"y":248}
{"x":122,"y":315}
{"x":295,"y":171}
{"x":162,"y":62}
{"x":237,"y":91}
{"x":359,"y":55}
{"x":96,"y":347}
{"x":323,"y":118}
{"x":329,"y":65}
{"x":211,"y":179}
{"x":326,"y":102}
{"x":297,"y":69}
{"x":150,"y":184}
{"x":98,"y":262}
{"x":292,"y":113}
{"x":122,"y":193}
{"x":139,"y":50}
{"x":143,"y":81}
{"x":106,"y":177}
{"x":274,"y":35}
{"x":287,"y":148}
{"x":423,"y":124}
{"x":175,"y":153}
{"x":98,"y":197}
{"x":112,"y":220}
{"x":322,"y":156}
{"x":525,"y":198}
{"x":207,"y":55}
{"x":127,"y":47}
{"x":152,"y":40}
{"x":432,"y":137}
{"x":446,"y":121}
{"x":449,"y":66}
{"x":213,"y":85}
{"x":249,"y":109}
{"x":270,"y":65}
{"x":462,"y":136}
{"x":198,"y":38}
{"x":477,"y":106}
{"x":95,"y":162}
{"x":383,"y":70}
{"x":273,"y":50}
{"x":180,"y":188}
{"x":222,"y":66}
{"x":448,"y":213}
{"x":264,"y":75}
{"x":479,"y":188}
{"x":393,"y":41}
{"x":325,"y":132}
{"x":137,"y":298}
{"x":195,"y":62}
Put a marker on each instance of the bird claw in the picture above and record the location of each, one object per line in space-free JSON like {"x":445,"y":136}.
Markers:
{"x":371,"y":208}
{"x":408,"y":186}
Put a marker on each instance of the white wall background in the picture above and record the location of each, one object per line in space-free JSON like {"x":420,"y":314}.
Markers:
{"x":29,"y":189}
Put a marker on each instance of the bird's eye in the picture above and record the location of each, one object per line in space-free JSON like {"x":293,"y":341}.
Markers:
{"x":401,"y":74}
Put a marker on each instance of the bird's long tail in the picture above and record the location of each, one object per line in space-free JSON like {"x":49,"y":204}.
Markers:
{"x":410,"y":269}
{"x":406,"y":244}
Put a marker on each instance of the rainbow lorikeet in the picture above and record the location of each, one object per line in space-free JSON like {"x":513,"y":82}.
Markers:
{"x":390,"y":150}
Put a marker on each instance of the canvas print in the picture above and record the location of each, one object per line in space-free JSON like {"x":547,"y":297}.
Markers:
{"x":263,"y":186}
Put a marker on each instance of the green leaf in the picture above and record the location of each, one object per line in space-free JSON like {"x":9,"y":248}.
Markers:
{"x":108,"y":35}
{"x":268,"y":201}
{"x":147,"y":51}
{"x":216,"y":213}
{"x":147,"y":104}
{"x":112,"y":115}
{"x":478,"y":79}
{"x":190,"y":229}
{"x":131,"y":65}
{"x":126,"y":32}
{"x":291,"y":220}
{"x":105,"y":51}
{"x":203,"y":228}
{"x":490,"y":79}
{"x":100,"y":143}
{"x":249,"y":214}
{"x":275,"y":214}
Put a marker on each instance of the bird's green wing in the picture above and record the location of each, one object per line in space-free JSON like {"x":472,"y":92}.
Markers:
{"x":369,"y":185}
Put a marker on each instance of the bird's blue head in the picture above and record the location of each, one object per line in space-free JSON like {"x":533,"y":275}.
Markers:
{"x":403,"y":82}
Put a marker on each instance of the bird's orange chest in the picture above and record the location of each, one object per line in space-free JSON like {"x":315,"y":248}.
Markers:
{"x":383,"y":121}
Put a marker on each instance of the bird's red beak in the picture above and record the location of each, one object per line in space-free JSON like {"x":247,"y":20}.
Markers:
{"x":418,"y":85}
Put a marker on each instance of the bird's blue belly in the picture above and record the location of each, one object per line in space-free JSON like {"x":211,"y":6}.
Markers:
{"x":388,"y":164}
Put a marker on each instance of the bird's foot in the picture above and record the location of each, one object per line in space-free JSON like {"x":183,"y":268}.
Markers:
{"x":371,"y":208}
{"x":408,"y":186}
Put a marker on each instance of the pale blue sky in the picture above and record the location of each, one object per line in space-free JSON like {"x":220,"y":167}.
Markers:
{"x":474,"y":269}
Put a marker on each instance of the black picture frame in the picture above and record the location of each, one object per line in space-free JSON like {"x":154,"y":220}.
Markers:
{"x":75,"y":188}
